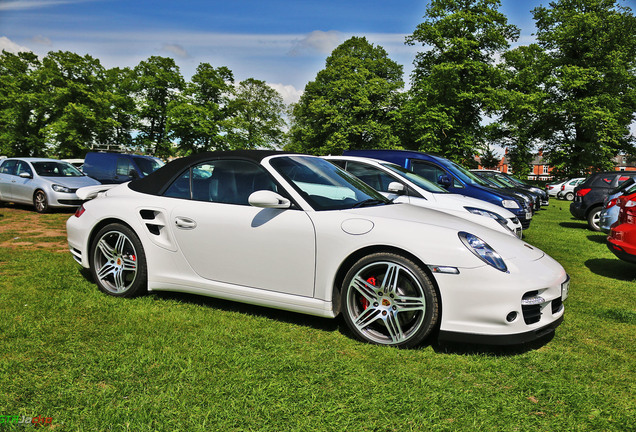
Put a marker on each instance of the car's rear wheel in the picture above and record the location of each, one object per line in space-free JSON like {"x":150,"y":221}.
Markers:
{"x":118,"y":262}
{"x":594,"y":218}
{"x":40,"y":202}
{"x":389,"y":300}
{"x":569,"y":196}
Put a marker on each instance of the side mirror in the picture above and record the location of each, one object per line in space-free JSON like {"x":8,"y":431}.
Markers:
{"x":444,"y":181}
{"x":25,"y":175}
{"x":396,"y":188}
{"x":268,"y":199}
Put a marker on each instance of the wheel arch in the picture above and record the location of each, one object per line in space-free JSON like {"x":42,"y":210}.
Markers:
{"x":348,"y":262}
{"x":98,"y":226}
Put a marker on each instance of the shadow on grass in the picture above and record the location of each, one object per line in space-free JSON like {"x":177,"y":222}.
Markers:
{"x":579,"y":225}
{"x":598,"y":238}
{"x":612,"y":268}
{"x":491,"y":350}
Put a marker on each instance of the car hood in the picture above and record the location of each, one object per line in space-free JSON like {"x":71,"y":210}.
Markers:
{"x":420,"y":218}
{"x":72,"y":182}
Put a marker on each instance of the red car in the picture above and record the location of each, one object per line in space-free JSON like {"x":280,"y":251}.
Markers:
{"x":622,"y":238}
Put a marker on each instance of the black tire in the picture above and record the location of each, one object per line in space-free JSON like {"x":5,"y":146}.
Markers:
{"x":40,"y":201}
{"x":118,"y":261}
{"x":594,"y":218}
{"x":401,"y":313}
{"x":569,"y":196}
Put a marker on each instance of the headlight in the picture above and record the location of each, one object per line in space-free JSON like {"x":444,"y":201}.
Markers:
{"x":60,"y":188}
{"x":483,"y":251}
{"x":502,"y":221}
{"x":510,"y":204}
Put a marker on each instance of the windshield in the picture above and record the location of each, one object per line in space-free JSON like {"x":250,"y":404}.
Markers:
{"x":148,"y":165}
{"x":467,"y":176}
{"x":324,"y":185}
{"x":501,"y":180}
{"x":56,"y":169}
{"x":415,"y":178}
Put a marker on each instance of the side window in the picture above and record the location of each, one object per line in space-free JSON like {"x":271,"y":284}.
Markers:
{"x":123,"y":166}
{"x":222,"y":181}
{"x":9,"y":167}
{"x":429,"y":172}
{"x":374,"y":177}
{"x":23,"y":167}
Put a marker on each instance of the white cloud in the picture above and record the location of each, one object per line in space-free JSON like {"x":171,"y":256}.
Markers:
{"x":176,"y":49}
{"x":289,"y":93}
{"x":317,"y":42}
{"x":10,"y":46}
{"x":33,"y":4}
{"x":41,"y":40}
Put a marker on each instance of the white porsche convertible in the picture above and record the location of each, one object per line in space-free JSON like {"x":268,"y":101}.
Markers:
{"x":295,"y":232}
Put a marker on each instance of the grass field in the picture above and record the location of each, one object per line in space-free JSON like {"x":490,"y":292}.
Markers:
{"x":89,"y":362}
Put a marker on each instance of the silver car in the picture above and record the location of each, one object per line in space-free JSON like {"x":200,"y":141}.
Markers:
{"x":45,"y":183}
{"x":610,"y":211}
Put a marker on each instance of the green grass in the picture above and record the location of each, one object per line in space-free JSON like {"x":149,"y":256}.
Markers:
{"x":173,"y":362}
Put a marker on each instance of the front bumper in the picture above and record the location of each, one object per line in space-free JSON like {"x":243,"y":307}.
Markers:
{"x":503,"y":308}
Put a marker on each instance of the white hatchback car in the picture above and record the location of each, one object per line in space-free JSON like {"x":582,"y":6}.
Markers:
{"x":414,"y":189}
{"x":45,"y":183}
{"x":567,"y":188}
{"x":296,"y":232}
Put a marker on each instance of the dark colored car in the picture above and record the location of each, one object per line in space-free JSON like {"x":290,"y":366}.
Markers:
{"x":109,"y":168}
{"x":533,"y":199}
{"x":590,"y":195}
{"x":622,"y":238}
{"x":451,"y":176}
{"x":516,"y":183}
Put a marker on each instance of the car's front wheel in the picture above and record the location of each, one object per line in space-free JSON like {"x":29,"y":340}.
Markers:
{"x":118,"y":262}
{"x":40,"y":202}
{"x":389,"y":300}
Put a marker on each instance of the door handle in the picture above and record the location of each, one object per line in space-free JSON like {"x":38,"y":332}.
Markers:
{"x":185,"y":223}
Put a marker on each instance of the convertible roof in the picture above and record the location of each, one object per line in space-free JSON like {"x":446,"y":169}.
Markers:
{"x":155,"y":183}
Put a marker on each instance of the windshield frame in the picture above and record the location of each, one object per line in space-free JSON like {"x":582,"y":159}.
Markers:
{"x":38,"y":167}
{"x":333,"y":179}
{"x":414,"y":178}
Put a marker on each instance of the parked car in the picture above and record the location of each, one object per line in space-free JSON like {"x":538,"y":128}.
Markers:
{"x":610,"y":211}
{"x":553,"y":188}
{"x":110,"y":168}
{"x":296,"y":232}
{"x":567,"y":189}
{"x":533,"y":200}
{"x":590,"y":194}
{"x":513,"y":182}
{"x":451,"y":176}
{"x":622,"y":238}
{"x":402,"y":185}
{"x":45,"y":183}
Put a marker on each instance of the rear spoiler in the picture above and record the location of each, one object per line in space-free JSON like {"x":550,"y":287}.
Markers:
{"x":90,"y":192}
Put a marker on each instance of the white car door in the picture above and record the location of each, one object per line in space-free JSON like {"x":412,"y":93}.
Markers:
{"x":225,"y":239}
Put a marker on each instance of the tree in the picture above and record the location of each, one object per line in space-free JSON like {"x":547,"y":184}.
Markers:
{"x":489,"y":159}
{"x":352,"y":104}
{"x":455,"y":78}
{"x":197,"y":119}
{"x":158,"y":83}
{"x":120,"y":84}
{"x":256,"y":116}
{"x":21,"y":119}
{"x":523,"y":101}
{"x":591,"y":101}
{"x":75,"y":102}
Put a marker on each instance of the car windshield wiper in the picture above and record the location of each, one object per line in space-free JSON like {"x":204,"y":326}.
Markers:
{"x":369,"y":202}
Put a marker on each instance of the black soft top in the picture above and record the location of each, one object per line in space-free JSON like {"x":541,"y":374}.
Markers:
{"x":156,"y":182}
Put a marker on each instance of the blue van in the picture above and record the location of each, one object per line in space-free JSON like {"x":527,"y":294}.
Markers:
{"x":111,"y":168}
{"x":451,"y":176}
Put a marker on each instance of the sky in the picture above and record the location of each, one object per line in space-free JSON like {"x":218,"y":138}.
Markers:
{"x":284,"y":43}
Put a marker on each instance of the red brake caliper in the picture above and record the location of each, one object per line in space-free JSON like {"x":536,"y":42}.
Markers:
{"x":363,"y":300}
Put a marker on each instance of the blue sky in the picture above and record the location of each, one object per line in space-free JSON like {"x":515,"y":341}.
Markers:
{"x":284,"y":43}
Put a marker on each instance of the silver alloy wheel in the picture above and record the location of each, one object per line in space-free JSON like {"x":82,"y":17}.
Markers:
{"x":386,"y":302}
{"x":569,"y":196}
{"x":39,"y":202}
{"x":115,"y":261}
{"x":594,"y":219}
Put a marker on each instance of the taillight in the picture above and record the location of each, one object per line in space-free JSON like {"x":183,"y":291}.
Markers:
{"x":583,"y":192}
{"x":80,"y":211}
{"x":628,"y":212}
{"x":562,"y":187}
{"x":611,"y":203}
